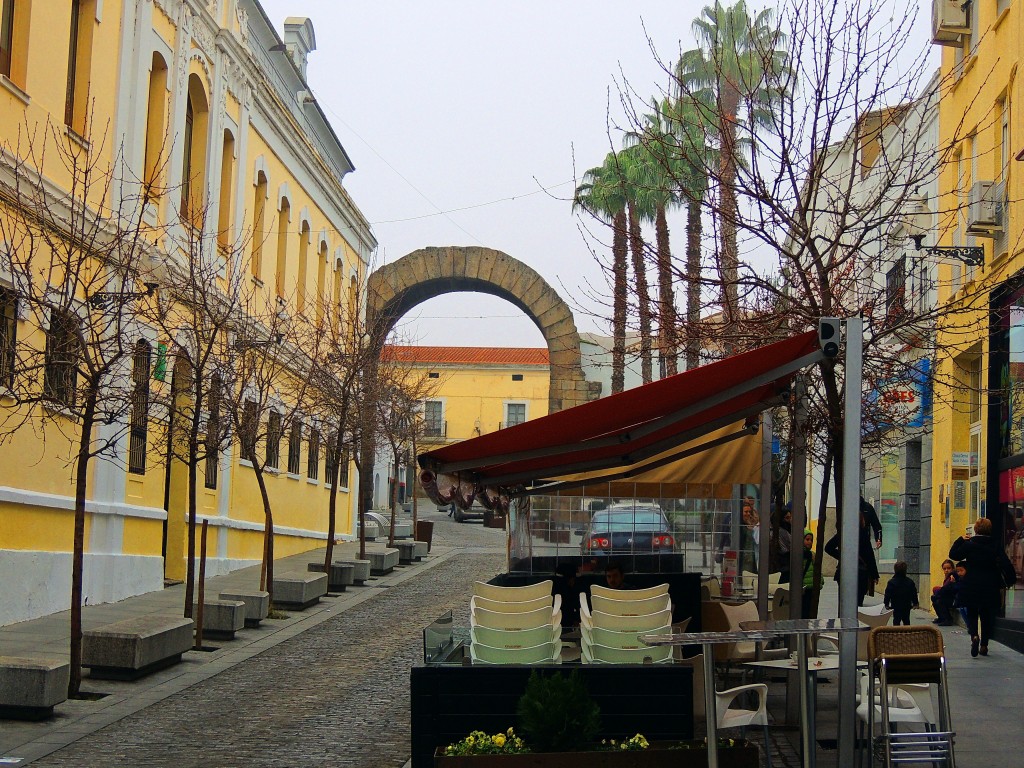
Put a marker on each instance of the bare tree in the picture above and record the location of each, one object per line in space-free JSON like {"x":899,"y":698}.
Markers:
{"x":80,"y":269}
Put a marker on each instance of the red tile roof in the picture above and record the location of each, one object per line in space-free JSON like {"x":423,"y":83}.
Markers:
{"x":471,"y":355}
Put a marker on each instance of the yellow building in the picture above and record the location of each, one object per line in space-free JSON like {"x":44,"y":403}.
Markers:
{"x":978,"y":447}
{"x":198,"y":112}
{"x":476,"y":390}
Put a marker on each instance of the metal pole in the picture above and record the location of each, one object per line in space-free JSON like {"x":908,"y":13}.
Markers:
{"x":710,"y":708}
{"x":849,"y":536}
{"x":764,"y":552}
{"x":799,"y":501}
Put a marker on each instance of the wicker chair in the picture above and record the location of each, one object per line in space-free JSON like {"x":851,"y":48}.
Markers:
{"x":903,"y":656}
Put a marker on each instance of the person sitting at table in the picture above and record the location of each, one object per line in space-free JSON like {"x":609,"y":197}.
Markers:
{"x":944,"y":595}
{"x":614,"y":577}
{"x":565,"y":585}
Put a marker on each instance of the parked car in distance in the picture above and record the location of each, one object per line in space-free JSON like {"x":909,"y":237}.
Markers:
{"x":628,"y":529}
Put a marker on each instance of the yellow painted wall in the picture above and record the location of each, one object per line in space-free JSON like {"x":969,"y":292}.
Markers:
{"x":976,"y":83}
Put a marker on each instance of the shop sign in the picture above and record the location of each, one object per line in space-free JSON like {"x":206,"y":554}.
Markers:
{"x":963,"y":459}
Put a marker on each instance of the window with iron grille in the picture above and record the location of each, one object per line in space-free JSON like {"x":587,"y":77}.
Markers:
{"x":60,"y":372}
{"x":247,"y":430}
{"x":273,"y":440}
{"x":141,"y":361}
{"x":433,"y":418}
{"x":295,"y":448}
{"x":8,"y":335}
{"x":213,"y":399}
{"x":6,"y":37}
{"x":313,"y":455}
{"x":330,"y":459}
{"x":343,"y":469}
{"x":896,"y":287}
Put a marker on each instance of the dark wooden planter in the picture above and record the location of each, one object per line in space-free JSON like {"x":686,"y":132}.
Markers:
{"x":659,"y":755}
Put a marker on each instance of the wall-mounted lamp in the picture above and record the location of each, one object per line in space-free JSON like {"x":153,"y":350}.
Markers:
{"x":104,"y":299}
{"x":917,"y":223}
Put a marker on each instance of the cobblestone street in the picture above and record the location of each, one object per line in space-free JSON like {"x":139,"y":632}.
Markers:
{"x":336,"y":695}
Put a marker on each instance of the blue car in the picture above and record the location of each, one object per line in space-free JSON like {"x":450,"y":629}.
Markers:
{"x":640,"y":529}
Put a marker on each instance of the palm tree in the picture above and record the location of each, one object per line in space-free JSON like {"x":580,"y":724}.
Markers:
{"x":735,"y":69}
{"x":634,"y":173}
{"x":602,"y":194}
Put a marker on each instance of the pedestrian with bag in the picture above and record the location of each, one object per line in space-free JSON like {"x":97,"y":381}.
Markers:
{"x":989,"y":571}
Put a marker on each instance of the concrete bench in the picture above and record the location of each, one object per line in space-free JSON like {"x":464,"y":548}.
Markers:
{"x":422,"y":549}
{"x":257,"y":605}
{"x":30,"y":688}
{"x":403,"y":530}
{"x":340,"y":576}
{"x":298,"y":591}
{"x":221,"y":618}
{"x":360,"y":570}
{"x":372,"y":530}
{"x":383,"y":561}
{"x":130,"y":649}
{"x":406,"y":551}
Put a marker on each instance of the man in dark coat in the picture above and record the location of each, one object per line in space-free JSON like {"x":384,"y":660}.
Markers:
{"x":989,"y":570}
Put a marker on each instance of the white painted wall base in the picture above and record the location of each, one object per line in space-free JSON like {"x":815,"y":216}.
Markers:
{"x":39,"y":583}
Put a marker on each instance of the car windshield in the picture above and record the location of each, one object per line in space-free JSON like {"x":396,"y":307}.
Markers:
{"x":639,"y":520}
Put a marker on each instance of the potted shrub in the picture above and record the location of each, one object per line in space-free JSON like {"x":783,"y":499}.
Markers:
{"x":559,"y":725}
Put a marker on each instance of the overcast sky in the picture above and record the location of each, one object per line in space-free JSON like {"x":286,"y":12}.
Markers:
{"x":453,"y":104}
{"x":467,"y":122}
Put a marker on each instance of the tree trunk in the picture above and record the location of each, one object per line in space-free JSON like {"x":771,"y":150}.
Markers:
{"x":619,"y":293}
{"x":193,"y":461}
{"x":643,"y":295}
{"x":728,"y":253}
{"x":822,"y":520}
{"x":694,"y":230}
{"x":394,"y":500}
{"x":666,"y":296}
{"x":268,"y":535}
{"x":332,"y":504}
{"x":78,"y":546}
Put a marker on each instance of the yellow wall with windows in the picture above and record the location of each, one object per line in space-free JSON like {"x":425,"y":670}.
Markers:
{"x":979,"y":94}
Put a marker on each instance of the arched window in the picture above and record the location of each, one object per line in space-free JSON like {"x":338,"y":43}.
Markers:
{"x":336,"y":302}
{"x":156,"y":115}
{"x":8,"y":335}
{"x":321,"y":276}
{"x":141,"y":364}
{"x":283,"y":220}
{"x":60,"y":370}
{"x":259,"y":206}
{"x":300,"y":292}
{"x":227,"y":183}
{"x":83,"y":16}
{"x":193,"y":168}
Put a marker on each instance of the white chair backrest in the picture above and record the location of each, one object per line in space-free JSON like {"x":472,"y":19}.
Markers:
{"x":601,"y":654}
{"x":630,"y":607}
{"x":513,"y":594}
{"x":616,"y":639}
{"x":697,"y":664}
{"x":872,"y":610}
{"x":542,"y":617}
{"x":510,"y":606}
{"x":515,"y":638}
{"x":714,"y":586}
{"x":629,"y":594}
{"x":545,"y":653}
{"x":734,"y":614}
{"x":873,"y":616}
{"x":780,"y":604}
{"x":641,"y":623}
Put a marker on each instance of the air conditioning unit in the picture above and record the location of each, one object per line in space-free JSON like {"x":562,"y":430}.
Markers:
{"x":985,"y":208}
{"x":950,"y":21}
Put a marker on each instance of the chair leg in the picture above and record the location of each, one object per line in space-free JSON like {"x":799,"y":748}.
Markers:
{"x":767,"y":746}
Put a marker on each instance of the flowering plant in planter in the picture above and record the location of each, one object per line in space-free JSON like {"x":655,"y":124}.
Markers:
{"x":479,"y":743}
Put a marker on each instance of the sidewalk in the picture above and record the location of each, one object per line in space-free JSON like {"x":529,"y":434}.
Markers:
{"x":23,"y":742}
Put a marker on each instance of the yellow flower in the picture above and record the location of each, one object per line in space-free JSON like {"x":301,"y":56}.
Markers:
{"x":623,"y":746}
{"x":498,"y":739}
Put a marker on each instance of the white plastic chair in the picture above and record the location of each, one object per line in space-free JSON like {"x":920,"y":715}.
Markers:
{"x":516,"y":606}
{"x":629,"y":594}
{"x":620,"y":639}
{"x":630,"y":607}
{"x":515,"y":638}
{"x":779,"y":609}
{"x":545,"y":653}
{"x":873,"y":616}
{"x":902,"y":708}
{"x":542,"y":617}
{"x":513,"y":594}
{"x":614,"y":621}
{"x":595,"y":653}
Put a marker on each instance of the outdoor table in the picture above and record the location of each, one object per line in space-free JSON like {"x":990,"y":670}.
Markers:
{"x":754,"y":631}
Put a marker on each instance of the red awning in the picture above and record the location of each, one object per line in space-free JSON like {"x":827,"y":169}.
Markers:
{"x":631,"y":427}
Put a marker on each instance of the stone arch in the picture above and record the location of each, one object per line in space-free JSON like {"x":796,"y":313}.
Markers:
{"x":396,"y":288}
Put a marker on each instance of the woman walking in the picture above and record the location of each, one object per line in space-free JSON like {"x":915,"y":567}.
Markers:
{"x":988,"y":571}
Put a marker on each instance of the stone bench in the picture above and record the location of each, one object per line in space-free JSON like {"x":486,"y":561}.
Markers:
{"x":406,"y":551}
{"x":422,"y":549}
{"x":130,"y":649}
{"x":298,"y":591}
{"x":383,"y":561}
{"x":30,"y":687}
{"x":403,"y":530}
{"x":340,"y":576}
{"x":360,"y":570}
{"x":372,"y":530}
{"x":221,"y":618}
{"x":257,"y":605}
